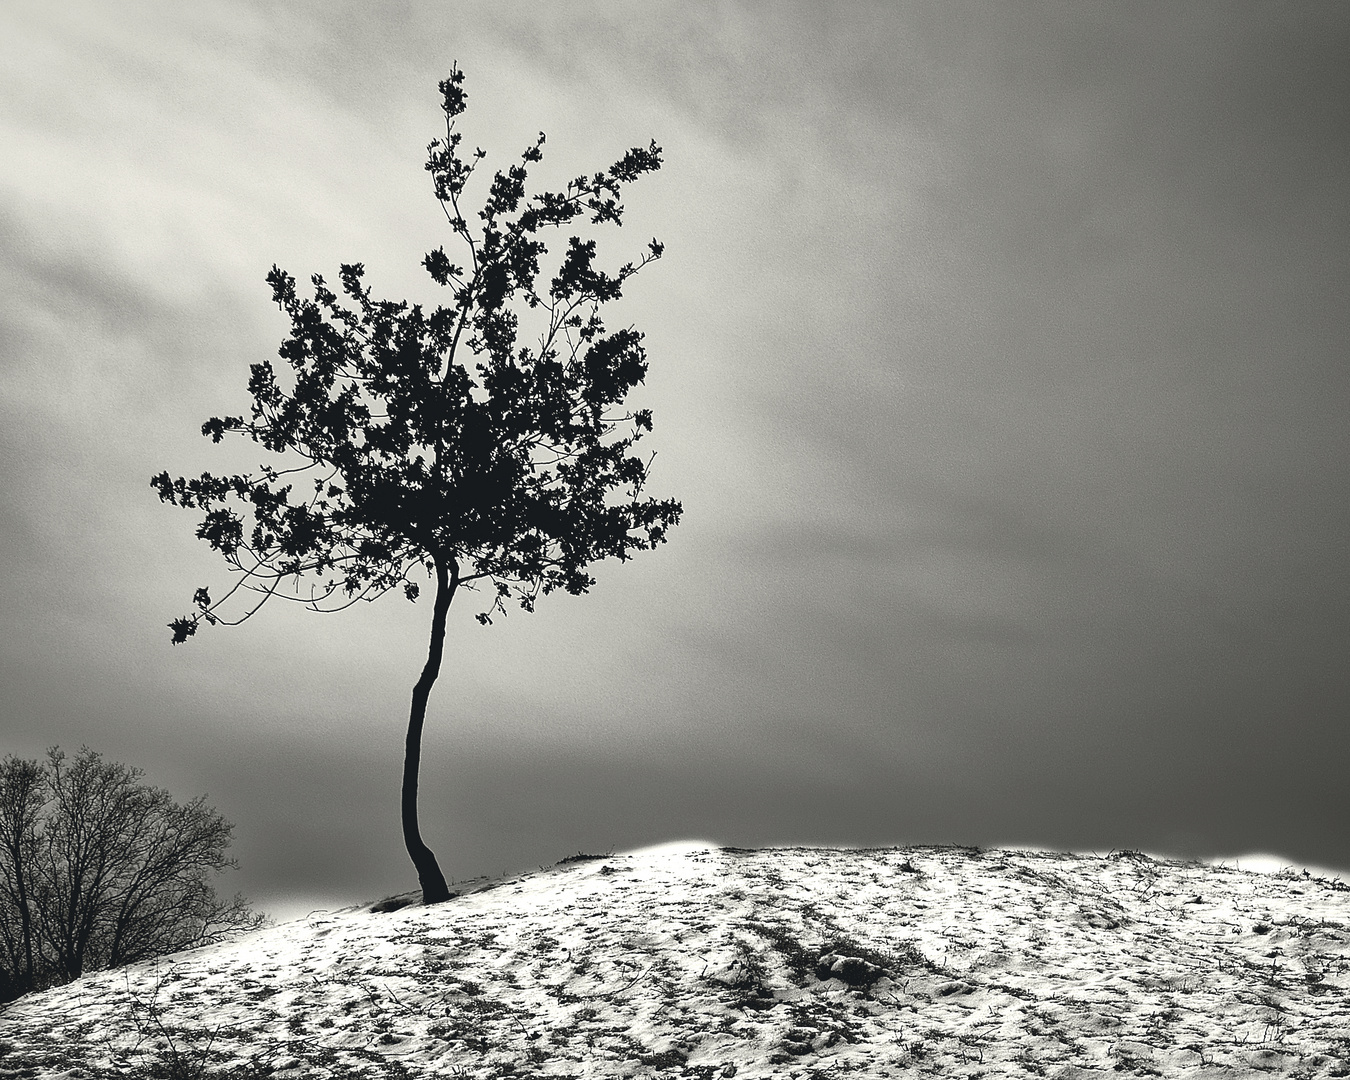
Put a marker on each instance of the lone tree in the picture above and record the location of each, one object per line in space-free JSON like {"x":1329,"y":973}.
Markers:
{"x":438,"y":441}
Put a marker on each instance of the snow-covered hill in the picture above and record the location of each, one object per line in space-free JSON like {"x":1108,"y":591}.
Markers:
{"x":715,"y":962}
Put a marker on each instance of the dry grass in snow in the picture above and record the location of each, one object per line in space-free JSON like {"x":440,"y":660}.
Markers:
{"x":714,"y":962}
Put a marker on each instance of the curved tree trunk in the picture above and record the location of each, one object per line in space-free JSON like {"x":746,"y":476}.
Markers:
{"x":434,"y":888}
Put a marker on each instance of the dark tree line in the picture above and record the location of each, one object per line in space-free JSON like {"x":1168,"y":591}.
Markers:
{"x":98,"y":869}
{"x":481,"y":444}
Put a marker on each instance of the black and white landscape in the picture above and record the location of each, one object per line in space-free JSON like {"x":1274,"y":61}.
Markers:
{"x":997,"y":357}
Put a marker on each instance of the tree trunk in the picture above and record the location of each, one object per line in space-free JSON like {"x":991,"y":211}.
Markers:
{"x":26,"y":977}
{"x":22,"y":784}
{"x":434,"y":888}
{"x":25,"y":913}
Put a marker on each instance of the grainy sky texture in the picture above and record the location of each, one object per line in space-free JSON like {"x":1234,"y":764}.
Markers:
{"x":998,"y":357}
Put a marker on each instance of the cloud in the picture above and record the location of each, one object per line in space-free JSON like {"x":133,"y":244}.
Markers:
{"x":996,"y":356}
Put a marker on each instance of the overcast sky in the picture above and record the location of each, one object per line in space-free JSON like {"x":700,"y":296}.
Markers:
{"x":998,"y":356}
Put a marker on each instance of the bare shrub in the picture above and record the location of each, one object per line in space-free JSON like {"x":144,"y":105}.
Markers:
{"x":98,"y":870}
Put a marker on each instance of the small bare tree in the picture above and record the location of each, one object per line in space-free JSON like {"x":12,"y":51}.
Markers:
{"x":98,"y":869}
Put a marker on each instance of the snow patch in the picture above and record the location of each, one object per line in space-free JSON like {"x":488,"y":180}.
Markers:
{"x":695,"y":960}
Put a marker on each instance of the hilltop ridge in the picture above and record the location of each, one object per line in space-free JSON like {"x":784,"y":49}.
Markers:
{"x":695,"y":960}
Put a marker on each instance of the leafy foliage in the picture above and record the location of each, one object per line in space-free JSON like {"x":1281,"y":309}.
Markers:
{"x":445,"y":439}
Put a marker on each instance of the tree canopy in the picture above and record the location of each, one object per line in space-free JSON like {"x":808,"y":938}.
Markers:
{"x":425,"y":436}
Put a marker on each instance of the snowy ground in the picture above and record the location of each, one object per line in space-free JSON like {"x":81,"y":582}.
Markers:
{"x":707,"y":962}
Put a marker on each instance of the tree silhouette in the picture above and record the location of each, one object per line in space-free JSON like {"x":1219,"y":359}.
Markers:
{"x":512,"y":470}
{"x":98,"y":870}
